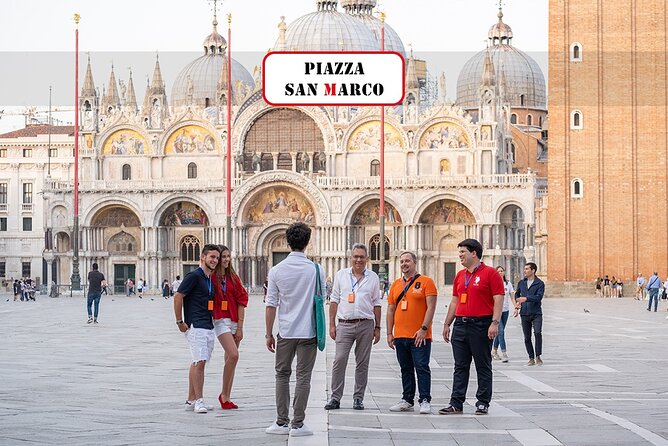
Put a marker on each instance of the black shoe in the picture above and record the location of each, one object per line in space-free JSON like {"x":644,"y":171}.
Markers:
{"x":333,"y":404}
{"x":450,"y":410}
{"x":358,"y":404}
{"x":481,"y":409}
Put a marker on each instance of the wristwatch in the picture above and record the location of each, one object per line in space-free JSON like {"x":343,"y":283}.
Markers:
{"x":494,"y":321}
{"x":179,"y":322}
{"x":424,"y":328}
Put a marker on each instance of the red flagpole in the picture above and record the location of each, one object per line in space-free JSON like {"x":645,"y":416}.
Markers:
{"x":76,"y":278}
{"x":76,"y":116}
{"x":381,"y":268}
{"x":229,"y":131}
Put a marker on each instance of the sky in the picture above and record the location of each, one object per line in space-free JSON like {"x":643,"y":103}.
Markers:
{"x":37,"y":39}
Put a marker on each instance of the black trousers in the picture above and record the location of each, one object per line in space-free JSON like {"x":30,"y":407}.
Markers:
{"x":535,"y":321}
{"x":470,"y":341}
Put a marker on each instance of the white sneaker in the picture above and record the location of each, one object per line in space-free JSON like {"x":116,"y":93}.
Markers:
{"x":495,"y":355}
{"x":190,"y":406}
{"x":403,"y":406}
{"x":303,"y":431}
{"x":504,"y":357}
{"x":425,"y":407}
{"x":278,"y":430}
{"x":200,"y":407}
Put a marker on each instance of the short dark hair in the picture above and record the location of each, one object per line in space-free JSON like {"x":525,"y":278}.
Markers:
{"x":95,"y":267}
{"x":210,"y":247}
{"x":298,"y":235}
{"x":533,"y":266}
{"x":472,"y":245}
{"x":178,"y":277}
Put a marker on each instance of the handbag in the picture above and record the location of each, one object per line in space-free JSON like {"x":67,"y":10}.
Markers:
{"x":319,"y":308}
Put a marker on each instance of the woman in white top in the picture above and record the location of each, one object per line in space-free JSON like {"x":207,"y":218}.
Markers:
{"x":500,"y":339}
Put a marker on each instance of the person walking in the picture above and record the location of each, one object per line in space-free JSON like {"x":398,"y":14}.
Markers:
{"x":640,"y":287}
{"x":193,"y":306}
{"x":653,"y":285}
{"x":508,"y":298}
{"x":529,"y":296}
{"x":229,"y":310}
{"x":475,"y":308}
{"x":166,"y":289}
{"x":105,"y":287}
{"x":140,"y":288}
{"x":130,"y":285}
{"x":290,"y":288}
{"x":95,"y":279}
{"x":355,"y":302}
{"x":411,"y":304}
{"x":17,"y":290}
{"x":176,"y":284}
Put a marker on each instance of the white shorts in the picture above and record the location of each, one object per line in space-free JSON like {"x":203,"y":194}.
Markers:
{"x":224,"y":325}
{"x":200,"y":341}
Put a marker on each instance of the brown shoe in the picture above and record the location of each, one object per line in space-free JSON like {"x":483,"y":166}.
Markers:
{"x":450,"y":410}
{"x":539,"y":361}
{"x":531,"y":362}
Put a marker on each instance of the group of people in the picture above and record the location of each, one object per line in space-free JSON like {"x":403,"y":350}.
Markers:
{"x":606,"y":287}
{"x":651,"y":289}
{"x":210,"y":302}
{"x":141,"y":285}
{"x":24,"y":289}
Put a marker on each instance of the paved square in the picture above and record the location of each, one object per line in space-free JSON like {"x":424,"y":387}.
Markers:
{"x":124,"y":380}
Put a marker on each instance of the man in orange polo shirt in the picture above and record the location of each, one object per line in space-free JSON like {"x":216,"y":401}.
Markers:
{"x":476,"y":305}
{"x":410,"y":309}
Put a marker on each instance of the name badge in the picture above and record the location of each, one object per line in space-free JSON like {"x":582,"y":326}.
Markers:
{"x":223,"y":305}
{"x":404,"y":305}
{"x":351,"y":298}
{"x":210,"y":305}
{"x":462,"y":298}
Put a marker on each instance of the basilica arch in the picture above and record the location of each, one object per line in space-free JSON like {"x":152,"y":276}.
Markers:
{"x":262,"y":218}
{"x":289,"y":137}
{"x":442,"y":223}
{"x":181,"y":226}
{"x":511,"y":239}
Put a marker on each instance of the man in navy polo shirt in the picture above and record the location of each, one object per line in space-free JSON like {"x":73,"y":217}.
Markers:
{"x":195,"y":298}
{"x":476,"y":306}
{"x":529,"y":296}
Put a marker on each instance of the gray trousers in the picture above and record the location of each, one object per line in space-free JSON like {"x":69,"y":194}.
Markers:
{"x":306,"y":351}
{"x":361,"y":334}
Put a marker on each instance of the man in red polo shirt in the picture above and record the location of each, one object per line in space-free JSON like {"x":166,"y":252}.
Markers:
{"x":476,"y":305}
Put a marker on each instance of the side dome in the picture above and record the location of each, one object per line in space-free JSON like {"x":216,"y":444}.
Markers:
{"x":204,"y":73}
{"x":197,"y":83}
{"x":524,"y":78}
{"x":392,"y":40}
{"x":327,"y":30}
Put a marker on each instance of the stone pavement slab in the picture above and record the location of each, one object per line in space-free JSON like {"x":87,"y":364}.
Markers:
{"x":124,"y":380}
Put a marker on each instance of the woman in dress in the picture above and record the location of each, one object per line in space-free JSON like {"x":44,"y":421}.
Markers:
{"x":229,"y":305}
{"x":508,"y":298}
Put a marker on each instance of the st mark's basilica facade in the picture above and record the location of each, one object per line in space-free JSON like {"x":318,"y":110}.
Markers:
{"x":152,"y":172}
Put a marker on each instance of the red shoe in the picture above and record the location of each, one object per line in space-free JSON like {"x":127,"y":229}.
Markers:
{"x":229,"y":405}
{"x":226,"y":404}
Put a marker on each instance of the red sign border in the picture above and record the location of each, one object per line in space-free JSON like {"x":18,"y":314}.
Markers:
{"x":403,"y":79}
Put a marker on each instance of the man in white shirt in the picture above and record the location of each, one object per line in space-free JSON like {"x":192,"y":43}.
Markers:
{"x":290,"y":289}
{"x":355,"y":301}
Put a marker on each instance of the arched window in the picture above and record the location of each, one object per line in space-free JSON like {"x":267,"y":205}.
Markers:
{"x":512,"y":152}
{"x":190,"y":249}
{"x":529,"y":120}
{"x":522,"y":100}
{"x":576,"y":52}
{"x":374,"y":249}
{"x":577,"y":188}
{"x":127,"y":172}
{"x":375,"y":168}
{"x":576,"y":120}
{"x":192,"y":170}
{"x":513,"y":118}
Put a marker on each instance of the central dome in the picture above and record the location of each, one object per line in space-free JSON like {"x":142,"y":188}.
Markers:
{"x":328,"y":30}
{"x":363,"y":10}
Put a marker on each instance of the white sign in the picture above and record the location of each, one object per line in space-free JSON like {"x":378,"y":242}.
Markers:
{"x":333,"y":78}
